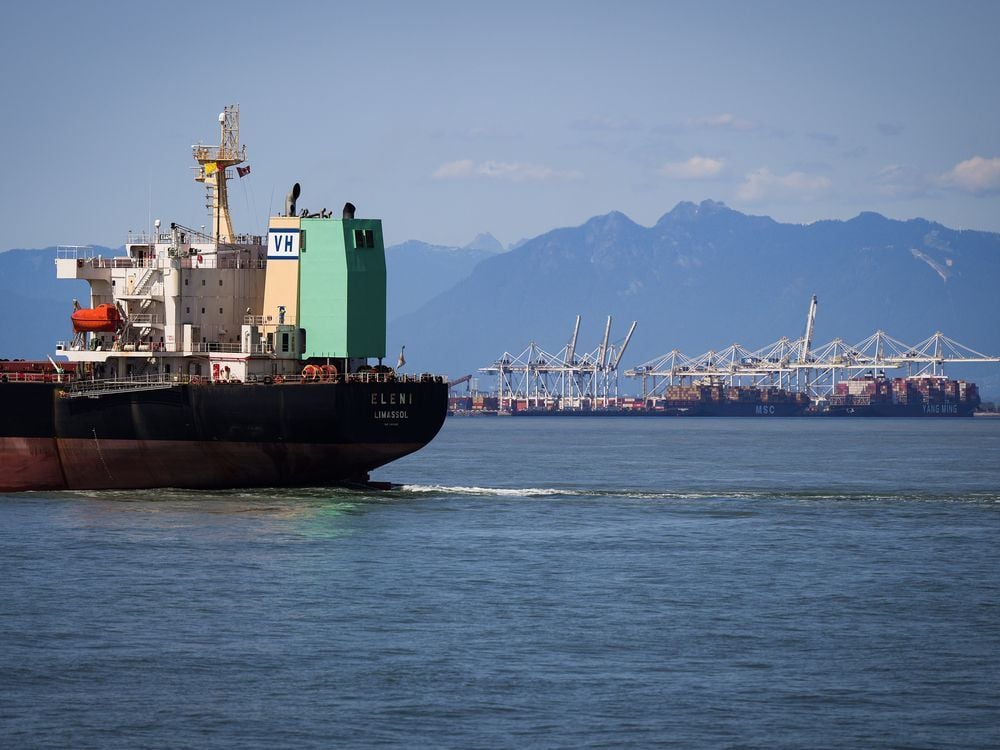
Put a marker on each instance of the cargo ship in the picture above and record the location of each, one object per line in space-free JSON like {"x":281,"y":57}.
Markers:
{"x":210,"y":359}
{"x":879,"y":396}
{"x":718,"y":400}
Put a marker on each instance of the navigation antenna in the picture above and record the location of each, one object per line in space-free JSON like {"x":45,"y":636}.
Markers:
{"x":214,"y":161}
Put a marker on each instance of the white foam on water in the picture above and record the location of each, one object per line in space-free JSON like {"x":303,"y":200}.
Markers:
{"x":486,"y":491}
{"x":653,"y":495}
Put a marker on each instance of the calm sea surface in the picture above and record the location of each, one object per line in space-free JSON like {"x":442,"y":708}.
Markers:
{"x":535,"y":583}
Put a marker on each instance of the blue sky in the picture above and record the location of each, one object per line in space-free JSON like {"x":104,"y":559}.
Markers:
{"x":445,"y":119}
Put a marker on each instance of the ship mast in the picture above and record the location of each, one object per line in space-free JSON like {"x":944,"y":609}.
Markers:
{"x":214,"y":161}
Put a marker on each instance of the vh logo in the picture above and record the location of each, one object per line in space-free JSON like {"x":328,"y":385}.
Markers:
{"x":282,"y":243}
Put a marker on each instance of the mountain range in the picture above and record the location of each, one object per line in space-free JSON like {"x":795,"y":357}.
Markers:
{"x":706,"y":276}
{"x":34,"y":305}
{"x":418,"y":271}
{"x":702,"y":277}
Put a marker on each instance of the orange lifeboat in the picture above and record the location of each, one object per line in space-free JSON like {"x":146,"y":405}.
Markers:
{"x":101,"y":318}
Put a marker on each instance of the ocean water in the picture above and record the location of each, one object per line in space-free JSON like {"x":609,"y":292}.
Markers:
{"x":534,"y":583}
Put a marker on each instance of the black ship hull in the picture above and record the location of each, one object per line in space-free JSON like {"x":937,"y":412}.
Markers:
{"x":211,"y":436}
{"x":736,"y":409}
{"x":918,"y":410}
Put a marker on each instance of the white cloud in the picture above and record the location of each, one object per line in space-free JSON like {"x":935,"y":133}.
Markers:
{"x":975,"y":175}
{"x":454,"y":169}
{"x":695,"y":168}
{"x":503,"y":170}
{"x":725,"y":121}
{"x":763,"y":184}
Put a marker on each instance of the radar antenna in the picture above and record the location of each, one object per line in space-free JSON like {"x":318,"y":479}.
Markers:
{"x":214,"y":161}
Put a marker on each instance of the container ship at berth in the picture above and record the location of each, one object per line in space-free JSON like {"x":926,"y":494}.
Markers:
{"x":878,"y":396}
{"x":730,"y":401}
{"x":217,"y":360}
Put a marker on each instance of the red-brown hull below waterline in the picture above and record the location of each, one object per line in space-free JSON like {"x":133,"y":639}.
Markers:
{"x":30,"y":463}
{"x":80,"y":464}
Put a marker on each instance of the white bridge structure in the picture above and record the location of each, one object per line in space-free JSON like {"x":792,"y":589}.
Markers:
{"x":795,"y":365}
{"x":566,"y":379}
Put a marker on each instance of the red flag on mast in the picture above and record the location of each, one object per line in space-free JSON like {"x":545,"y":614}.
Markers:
{"x":243,"y":171}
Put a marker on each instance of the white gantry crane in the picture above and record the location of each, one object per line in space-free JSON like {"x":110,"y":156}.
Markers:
{"x":564,"y":379}
{"x":797,"y":365}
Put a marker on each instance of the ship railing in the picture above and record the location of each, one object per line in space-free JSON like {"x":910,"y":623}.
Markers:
{"x":75,"y":388}
{"x":211,"y":261}
{"x":142,"y":237}
{"x":245,"y":239}
{"x":224,"y":347}
{"x":99,"y":261}
{"x":90,"y":260}
{"x":75,"y":252}
{"x":78,"y":388}
{"x":268,"y":320}
{"x":375,"y":376}
{"x":298,"y":379}
{"x":90,"y":256}
{"x":145,"y":319}
{"x":353,"y":377}
{"x":34,"y":377}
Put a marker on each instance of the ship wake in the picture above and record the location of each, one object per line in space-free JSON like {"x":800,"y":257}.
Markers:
{"x":804,"y":495}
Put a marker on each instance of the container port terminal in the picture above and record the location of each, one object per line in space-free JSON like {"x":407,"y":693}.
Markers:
{"x":878,"y":376}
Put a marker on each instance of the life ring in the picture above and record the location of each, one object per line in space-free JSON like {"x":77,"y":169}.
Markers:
{"x":278,"y":379}
{"x":195,"y":380}
{"x":312,"y":373}
{"x":329,"y":372}
{"x":268,"y":380}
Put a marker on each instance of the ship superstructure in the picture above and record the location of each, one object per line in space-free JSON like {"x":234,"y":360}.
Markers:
{"x":233,"y":307}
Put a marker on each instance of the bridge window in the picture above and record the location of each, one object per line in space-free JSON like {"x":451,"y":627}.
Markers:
{"x":364,"y":238}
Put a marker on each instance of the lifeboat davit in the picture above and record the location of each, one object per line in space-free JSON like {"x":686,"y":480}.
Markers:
{"x":101,"y":318}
